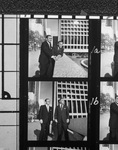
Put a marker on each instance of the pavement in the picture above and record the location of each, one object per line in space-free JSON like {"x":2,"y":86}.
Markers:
{"x":34,"y":129}
{"x":64,"y":67}
{"x":104,"y":125}
{"x":106,"y":60}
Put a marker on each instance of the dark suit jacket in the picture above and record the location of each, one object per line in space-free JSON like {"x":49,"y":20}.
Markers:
{"x":57,"y":51}
{"x":61,"y":115}
{"x":45,"y":115}
{"x":113,"y":122}
{"x":46,"y":53}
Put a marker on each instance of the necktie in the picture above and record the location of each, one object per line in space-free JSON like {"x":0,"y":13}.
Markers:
{"x":61,"y":107}
{"x":49,"y":45}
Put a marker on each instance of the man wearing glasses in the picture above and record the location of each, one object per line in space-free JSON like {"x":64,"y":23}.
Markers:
{"x":45,"y":118}
{"x":45,"y":57}
{"x":62,"y":120}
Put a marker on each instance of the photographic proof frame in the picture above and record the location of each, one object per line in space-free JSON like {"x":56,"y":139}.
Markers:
{"x":73,"y":33}
{"x":75,"y":96}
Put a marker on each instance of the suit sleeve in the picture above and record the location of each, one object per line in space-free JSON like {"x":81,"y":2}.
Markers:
{"x":67,"y":112}
{"x":51,"y":117}
{"x":114,"y":108}
{"x":55,"y":115}
{"x":62,"y":51}
{"x":41,"y":113}
{"x":53,"y":51}
{"x":46,"y":49}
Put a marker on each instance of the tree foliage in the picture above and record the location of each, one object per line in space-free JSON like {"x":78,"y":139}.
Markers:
{"x":105,"y":100}
{"x":35,"y":37}
{"x":107,"y":43}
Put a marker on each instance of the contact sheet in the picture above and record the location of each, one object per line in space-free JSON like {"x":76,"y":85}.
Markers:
{"x":83,"y":82}
{"x":82,"y":40}
{"x":80,"y":92}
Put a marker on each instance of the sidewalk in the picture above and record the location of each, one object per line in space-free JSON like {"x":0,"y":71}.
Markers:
{"x":65,"y":67}
{"x":34,"y":129}
{"x":33,"y":62}
{"x":104,"y":125}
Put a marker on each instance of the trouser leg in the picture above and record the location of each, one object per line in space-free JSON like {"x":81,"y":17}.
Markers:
{"x":112,"y":134}
{"x":65,"y":132}
{"x":44,"y":132}
{"x":43,"y":70}
{"x":59,"y":131}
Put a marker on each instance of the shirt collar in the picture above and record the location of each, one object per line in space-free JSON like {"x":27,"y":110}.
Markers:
{"x":49,"y":43}
{"x":117,"y":103}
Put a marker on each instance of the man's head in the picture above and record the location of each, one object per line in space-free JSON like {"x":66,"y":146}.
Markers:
{"x":61,"y":101}
{"x":60,"y":44}
{"x":47,"y":101}
{"x":116,"y":98}
{"x":48,"y":38}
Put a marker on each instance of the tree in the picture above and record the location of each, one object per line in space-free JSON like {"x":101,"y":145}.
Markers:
{"x":31,"y":35}
{"x":107,"y":43}
{"x":105,"y":101}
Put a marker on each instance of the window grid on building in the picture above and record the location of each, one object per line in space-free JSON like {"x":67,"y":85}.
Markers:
{"x":9,"y":82}
{"x":74,"y":34}
{"x":75,"y":95}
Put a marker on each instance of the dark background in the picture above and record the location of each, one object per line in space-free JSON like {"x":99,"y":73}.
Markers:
{"x":59,"y":7}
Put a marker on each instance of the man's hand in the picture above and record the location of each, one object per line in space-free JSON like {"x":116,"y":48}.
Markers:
{"x":56,"y":120}
{"x":41,"y":121}
{"x":51,"y":122}
{"x":67,"y":120}
{"x":58,"y":57}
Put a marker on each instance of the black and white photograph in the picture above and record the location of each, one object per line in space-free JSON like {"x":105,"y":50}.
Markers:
{"x":56,"y":58}
{"x":57,"y":111}
{"x":108,"y":147}
{"x":109,"y":111}
{"x":109,"y":48}
{"x":58,"y":48}
{"x":9,"y":83}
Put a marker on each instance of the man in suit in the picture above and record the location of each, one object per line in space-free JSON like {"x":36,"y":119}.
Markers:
{"x":62,"y":120}
{"x":113,"y":122}
{"x":45,"y":118}
{"x":45,"y":58}
{"x":115,"y":69}
{"x":57,"y":52}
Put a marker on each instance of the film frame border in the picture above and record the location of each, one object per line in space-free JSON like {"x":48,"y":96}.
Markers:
{"x":69,"y":17}
{"x":31,"y":79}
